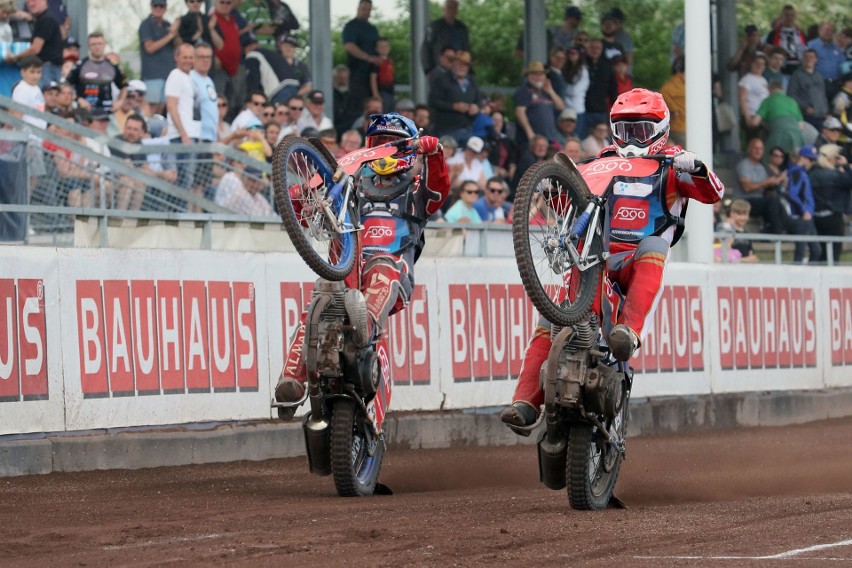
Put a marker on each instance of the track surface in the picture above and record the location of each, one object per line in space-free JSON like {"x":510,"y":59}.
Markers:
{"x":724,"y":498}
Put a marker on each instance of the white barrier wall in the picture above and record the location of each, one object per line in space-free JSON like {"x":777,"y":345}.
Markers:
{"x":113,"y":338}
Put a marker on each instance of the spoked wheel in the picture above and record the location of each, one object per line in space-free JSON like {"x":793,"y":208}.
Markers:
{"x":355,"y":469}
{"x":593,"y":462}
{"x":546,"y":206}
{"x":311,"y":211}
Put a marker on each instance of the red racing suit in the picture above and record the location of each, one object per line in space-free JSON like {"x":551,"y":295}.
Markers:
{"x":394,"y":219}
{"x":644,"y":219}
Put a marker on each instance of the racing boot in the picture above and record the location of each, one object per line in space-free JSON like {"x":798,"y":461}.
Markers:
{"x":359,"y":317}
{"x":291,"y":383}
{"x":623,"y":342}
{"x":519,"y":414}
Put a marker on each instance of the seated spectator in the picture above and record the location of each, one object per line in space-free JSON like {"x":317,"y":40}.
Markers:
{"x":445,"y":64}
{"x":760,"y":188}
{"x":597,"y":140}
{"x":752,"y":89}
{"x":76,"y":175}
{"x":328,"y":137}
{"x":536,"y":151}
{"x":423,"y":119}
{"x":462,"y":211}
{"x":251,"y":116}
{"x":134,"y":103}
{"x":406,"y":108}
{"x":271,"y":131}
{"x":472,"y":166}
{"x":493,"y":206}
{"x":807,"y":86}
{"x":800,"y":197}
{"x":244,"y":196}
{"x":567,"y":124}
{"x":536,"y":105}
{"x":65,"y":100}
{"x":51,"y":96}
{"x":573,"y":149}
{"x":782,"y":118}
{"x":130,"y":192}
{"x":255,"y":144}
{"x":350,"y":141}
{"x":372,"y":105}
{"x":224,"y":129}
{"x":502,"y":149}
{"x":315,"y":117}
{"x":454,"y":98}
{"x":830,"y":133}
{"x":831,"y":180}
{"x":738,"y":218}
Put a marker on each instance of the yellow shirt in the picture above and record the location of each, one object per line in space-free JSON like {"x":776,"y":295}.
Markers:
{"x":674,"y":93}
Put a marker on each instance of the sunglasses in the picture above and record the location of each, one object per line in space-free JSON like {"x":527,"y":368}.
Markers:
{"x":282,"y":112}
{"x":296,"y":108}
{"x":495,"y":190}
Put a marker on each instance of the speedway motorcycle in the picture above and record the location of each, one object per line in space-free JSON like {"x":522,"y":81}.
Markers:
{"x":349,"y":383}
{"x":558,"y":234}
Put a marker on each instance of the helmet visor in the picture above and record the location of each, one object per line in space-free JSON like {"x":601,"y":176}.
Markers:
{"x":642,"y":131}
{"x":380,"y":139}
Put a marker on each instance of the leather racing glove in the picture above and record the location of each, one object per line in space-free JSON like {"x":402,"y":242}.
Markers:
{"x":686,"y":162}
{"x":428,"y":145}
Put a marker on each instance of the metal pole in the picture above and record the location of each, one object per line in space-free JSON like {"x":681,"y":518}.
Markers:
{"x":419,"y":21}
{"x":699,"y":127}
{"x":320,"y":41}
{"x":535,"y":22}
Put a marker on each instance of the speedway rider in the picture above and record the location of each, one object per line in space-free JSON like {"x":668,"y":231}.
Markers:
{"x":639,"y":250}
{"x":397,"y":195}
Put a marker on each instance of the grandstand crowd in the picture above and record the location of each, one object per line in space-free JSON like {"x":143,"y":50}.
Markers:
{"x":232,"y":75}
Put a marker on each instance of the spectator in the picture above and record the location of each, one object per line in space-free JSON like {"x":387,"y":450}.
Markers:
{"x":350,"y":141}
{"x":760,"y":188}
{"x":446,"y":31}
{"x":472,"y":165}
{"x":807,"y":86}
{"x":781,"y":116}
{"x":270,"y":19}
{"x":195,"y":24}
{"x":454,"y":97}
{"x":462,"y":211}
{"x":359,"y":41}
{"x":182,"y":99}
{"x":602,"y":90}
{"x":623,"y":80}
{"x":55,"y":7}
{"x":597,"y":140}
{"x":576,"y":76}
{"x":502,"y":149}
{"x":381,"y":75}
{"x":46,"y":42}
{"x":445,"y":64}
{"x":27,"y":93}
{"x":252,"y":116}
{"x":788,"y":35}
{"x":315,"y":117}
{"x":405,"y":107}
{"x":244,"y":195}
{"x":344,"y":111}
{"x":493,"y":207}
{"x":51,"y":96}
{"x":208,"y":115}
{"x":134,"y":103}
{"x":277,"y":73}
{"x":674,"y":93}
{"x":555,"y":65}
{"x":65,"y":99}
{"x":94,"y":78}
{"x":831,"y":181}
{"x":536,"y":151}
{"x":224,"y":131}
{"x":830,"y":133}
{"x":752,"y":90}
{"x":608,"y":27}
{"x":70,"y":50}
{"x":829,"y":56}
{"x":738,"y":218}
{"x":775,"y":68}
{"x":157,"y":40}
{"x":225,"y":30}
{"x":617,"y":39}
{"x":564,"y":34}
{"x":800,"y":197}
{"x":567,"y":124}
{"x":536,"y":105}
{"x":841,"y":104}
{"x":74,"y":171}
{"x":749,"y":48}
{"x":573,"y":149}
{"x":423,"y":118}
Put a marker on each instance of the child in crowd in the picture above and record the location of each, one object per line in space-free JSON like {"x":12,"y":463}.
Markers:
{"x":381,"y":75}
{"x":738,"y":217}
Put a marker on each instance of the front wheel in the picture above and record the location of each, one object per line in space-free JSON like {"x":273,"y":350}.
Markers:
{"x":311,"y":211}
{"x":356,"y":458}
{"x":546,"y":207}
{"x":593,"y":463}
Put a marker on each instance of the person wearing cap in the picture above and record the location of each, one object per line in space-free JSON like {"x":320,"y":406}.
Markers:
{"x":536,"y":105}
{"x":157,"y":40}
{"x":831,"y":179}
{"x":51,"y":96}
{"x":71,"y":49}
{"x":455,"y":99}
{"x":314,"y":117}
{"x":621,"y":37}
{"x":566,"y":123}
{"x":563,"y":34}
{"x":359,"y":41}
{"x":246,"y":196}
{"x":470,"y":164}
{"x":446,"y":31}
{"x":800,"y":197}
{"x":46,"y":42}
{"x":807,"y":86}
{"x":751,"y":44}
{"x":94,"y":77}
{"x":288,"y":76}
{"x":830,"y":132}
{"x":134,"y":103}
{"x":195,"y":24}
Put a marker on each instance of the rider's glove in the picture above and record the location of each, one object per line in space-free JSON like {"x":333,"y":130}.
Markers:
{"x":427,"y":145}
{"x":686,"y":162}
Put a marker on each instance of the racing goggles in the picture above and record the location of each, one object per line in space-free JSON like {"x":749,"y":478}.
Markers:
{"x":642,"y":131}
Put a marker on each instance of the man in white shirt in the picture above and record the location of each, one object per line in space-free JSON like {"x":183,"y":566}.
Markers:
{"x":314,"y":118}
{"x":250,"y":117}
{"x":182,"y":104}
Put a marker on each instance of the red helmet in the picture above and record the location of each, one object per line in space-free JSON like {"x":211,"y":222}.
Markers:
{"x":640,"y":123}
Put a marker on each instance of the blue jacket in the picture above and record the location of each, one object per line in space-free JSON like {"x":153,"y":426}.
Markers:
{"x":800,"y":193}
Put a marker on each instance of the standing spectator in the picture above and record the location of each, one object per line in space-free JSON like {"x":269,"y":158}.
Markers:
{"x":831,"y":180}
{"x":57,"y":9}
{"x":344,"y":112}
{"x":208,"y":115}
{"x":182,"y":103}
{"x":157,"y":39}
{"x":800,"y":196}
{"x":602,"y":90}
{"x":747,"y":51}
{"x":597,"y":140}
{"x":229,"y":75}
{"x":455,"y":99}
{"x":829,"y":56}
{"x":381,"y":75}
{"x":46,"y":42}
{"x":27,"y":93}
{"x":94,"y":78}
{"x":472,"y":166}
{"x":620,"y":37}
{"x":623,"y":80}
{"x":555,"y":65}
{"x":315,"y":117}
{"x":674,"y":93}
{"x":270,"y":18}
{"x":294,"y":75}
{"x":775,"y":68}
{"x":493,"y":206}
{"x":445,"y":64}
{"x":752,"y":89}
{"x":423,"y":119}
{"x":462,"y":211}
{"x":502,"y":149}
{"x":536,"y":105}
{"x":446,"y":31}
{"x":359,"y":41}
{"x":536,"y":151}
{"x":611,"y":47}
{"x":788,"y":35}
{"x":195,"y":24}
{"x":277,"y":73}
{"x":564,"y":34}
{"x":576,"y":76}
{"x":807,"y":86}
{"x":678,"y":42}
{"x":760,"y":188}
{"x":782,"y":118}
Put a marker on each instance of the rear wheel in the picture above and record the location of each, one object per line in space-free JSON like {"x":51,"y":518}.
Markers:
{"x":546,"y":206}
{"x":302,"y":178}
{"x":356,"y":458}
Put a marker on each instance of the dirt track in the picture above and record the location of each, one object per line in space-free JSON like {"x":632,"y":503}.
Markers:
{"x":747,"y":494}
